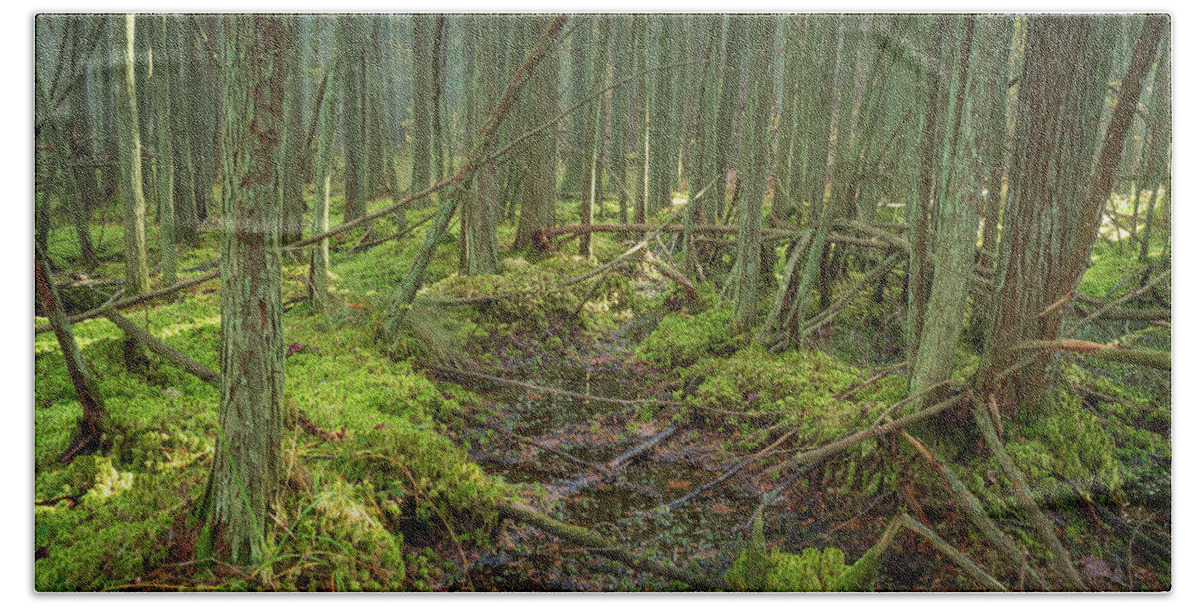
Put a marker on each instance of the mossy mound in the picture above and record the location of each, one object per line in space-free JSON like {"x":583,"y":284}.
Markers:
{"x":384,"y":461}
{"x":596,"y":307}
{"x":681,"y":340}
{"x":812,"y":569}
{"x":803,"y":386}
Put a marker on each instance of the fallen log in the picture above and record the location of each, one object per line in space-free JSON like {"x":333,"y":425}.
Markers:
{"x":1061,"y":559}
{"x":815,"y":455}
{"x":983,"y":578}
{"x":977,"y":513}
{"x":1132,"y":314}
{"x":550,"y":390}
{"x":611,"y":467}
{"x":640,"y":449}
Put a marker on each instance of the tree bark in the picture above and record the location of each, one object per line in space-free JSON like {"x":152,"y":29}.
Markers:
{"x":94,"y":422}
{"x":247,"y":463}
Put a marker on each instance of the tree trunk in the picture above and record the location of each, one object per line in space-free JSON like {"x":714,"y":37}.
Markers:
{"x":971,"y":129}
{"x":422,"y":91}
{"x":1155,"y":171}
{"x":247,"y":463}
{"x":86,"y":194}
{"x":592,"y":184}
{"x":164,"y":166}
{"x":1044,"y":250}
{"x":756,"y":142}
{"x":94,"y":422}
{"x":480,"y":213}
{"x":353,"y":131}
{"x":319,"y":269}
{"x":129,"y":145}
{"x":295,"y":143}
{"x":540,"y":160}
{"x":578,"y":124}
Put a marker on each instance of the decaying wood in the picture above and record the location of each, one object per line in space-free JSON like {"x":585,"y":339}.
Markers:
{"x":1062,"y":560}
{"x":1162,"y":276}
{"x":734,"y":470}
{"x":1109,"y":352}
{"x":983,"y":578}
{"x":818,"y":454}
{"x":549,"y":390}
{"x":94,"y":420}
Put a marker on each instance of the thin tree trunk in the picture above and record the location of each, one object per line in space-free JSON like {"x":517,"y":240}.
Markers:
{"x":164,"y":165}
{"x":137,"y":270}
{"x":94,"y":422}
{"x":756,"y":141}
{"x":422,"y":90}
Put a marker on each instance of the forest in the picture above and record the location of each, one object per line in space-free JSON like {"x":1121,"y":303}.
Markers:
{"x":602,"y":302}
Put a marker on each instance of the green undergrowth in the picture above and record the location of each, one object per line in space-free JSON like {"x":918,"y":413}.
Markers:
{"x":597,"y":305}
{"x":806,"y":390}
{"x":681,"y":340}
{"x":813,"y":569}
{"x":374,"y":485}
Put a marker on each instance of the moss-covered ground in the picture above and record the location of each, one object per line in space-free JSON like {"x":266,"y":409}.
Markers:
{"x":394,"y":468}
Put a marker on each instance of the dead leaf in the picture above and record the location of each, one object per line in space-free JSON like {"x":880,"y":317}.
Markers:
{"x":1094,"y":567}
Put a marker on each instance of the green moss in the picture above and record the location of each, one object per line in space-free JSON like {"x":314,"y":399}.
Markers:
{"x":802,"y":385}
{"x":393,"y":420}
{"x":681,"y":340}
{"x":757,"y":570}
{"x":545,"y":304}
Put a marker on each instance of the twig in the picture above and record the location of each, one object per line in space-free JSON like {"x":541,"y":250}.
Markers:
{"x":545,"y":389}
{"x":135,"y":300}
{"x":164,"y":350}
{"x":730,"y":473}
{"x":1119,"y":301}
{"x":603,"y":546}
{"x":1061,"y":558}
{"x":976,"y":512}
{"x":973,"y":569}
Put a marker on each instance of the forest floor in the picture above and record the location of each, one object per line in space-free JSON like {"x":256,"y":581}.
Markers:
{"x":596,"y":405}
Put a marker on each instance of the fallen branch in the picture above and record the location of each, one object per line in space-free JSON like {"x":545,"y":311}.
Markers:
{"x":556,"y":287}
{"x":730,"y":473}
{"x":818,"y":454}
{"x":1061,"y":558}
{"x":603,"y":546}
{"x":308,"y":426}
{"x":135,"y":300}
{"x":1109,"y":352}
{"x":550,"y":390}
{"x":1166,"y":274}
{"x":611,"y":467}
{"x":164,"y":350}
{"x":977,"y":514}
{"x":640,"y":449}
{"x":984,"y":579}
{"x":688,"y":288}
{"x":545,"y":448}
{"x":1134,"y":314}
{"x":827,"y":316}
